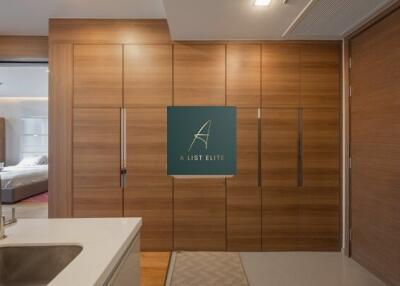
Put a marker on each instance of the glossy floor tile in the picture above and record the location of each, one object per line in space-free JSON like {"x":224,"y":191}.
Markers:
{"x":305,"y":269}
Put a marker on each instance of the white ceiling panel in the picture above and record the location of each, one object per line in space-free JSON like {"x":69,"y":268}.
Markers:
{"x":333,"y":18}
{"x":229,"y":19}
{"x":30,"y":17}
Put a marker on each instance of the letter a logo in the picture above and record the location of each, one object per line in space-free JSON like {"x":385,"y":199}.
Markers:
{"x":203,"y":134}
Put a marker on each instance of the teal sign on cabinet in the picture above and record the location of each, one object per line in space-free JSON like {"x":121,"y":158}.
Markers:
{"x":201,"y":141}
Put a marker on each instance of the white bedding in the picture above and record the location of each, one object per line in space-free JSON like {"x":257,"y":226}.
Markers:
{"x":16,"y":176}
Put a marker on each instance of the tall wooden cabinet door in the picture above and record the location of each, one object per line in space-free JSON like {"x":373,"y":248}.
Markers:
{"x":96,"y":163}
{"x":280,"y":193}
{"x":199,"y":74}
{"x":280,"y":75}
{"x":148,"y":191}
{"x":320,"y":201}
{"x":97,"y":76}
{"x":243,"y":191}
{"x":199,"y":214}
{"x":243,"y":75}
{"x":147,"y":75}
{"x":320,"y":75}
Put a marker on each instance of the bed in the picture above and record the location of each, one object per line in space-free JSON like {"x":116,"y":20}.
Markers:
{"x":20,"y":182}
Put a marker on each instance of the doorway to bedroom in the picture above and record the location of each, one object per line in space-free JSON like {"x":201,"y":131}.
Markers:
{"x":24,"y":139}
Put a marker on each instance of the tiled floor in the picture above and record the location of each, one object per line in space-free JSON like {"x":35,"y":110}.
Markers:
{"x":305,"y":269}
{"x":262,"y":268}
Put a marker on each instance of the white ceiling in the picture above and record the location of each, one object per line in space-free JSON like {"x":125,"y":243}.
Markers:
{"x":229,"y":19}
{"x":30,"y":17}
{"x":201,"y":19}
{"x":330,"y":18}
{"x":23,"y":81}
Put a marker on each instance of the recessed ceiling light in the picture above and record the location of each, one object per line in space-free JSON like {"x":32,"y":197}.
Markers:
{"x":262,"y":2}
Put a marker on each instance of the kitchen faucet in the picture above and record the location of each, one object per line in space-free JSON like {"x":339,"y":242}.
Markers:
{"x":3,"y":222}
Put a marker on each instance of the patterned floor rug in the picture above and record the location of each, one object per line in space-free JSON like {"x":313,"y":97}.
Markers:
{"x":208,"y":269}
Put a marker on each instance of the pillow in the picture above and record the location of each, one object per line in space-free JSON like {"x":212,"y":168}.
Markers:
{"x":33,"y":161}
{"x":43,"y":160}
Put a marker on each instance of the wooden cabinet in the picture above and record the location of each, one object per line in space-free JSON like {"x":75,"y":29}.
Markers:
{"x":320,"y":75}
{"x":320,"y":201}
{"x":60,"y":130}
{"x":243,"y":190}
{"x":147,"y":75}
{"x":97,"y":76}
{"x":279,"y":148}
{"x":148,"y":191}
{"x":2,"y":140}
{"x":280,"y":179}
{"x":300,"y":186}
{"x":96,"y":163}
{"x":199,"y":214}
{"x":285,"y":195}
{"x":280,"y":75}
{"x":199,"y":74}
{"x":243,"y":75}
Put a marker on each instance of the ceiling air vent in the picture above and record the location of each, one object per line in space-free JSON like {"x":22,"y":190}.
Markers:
{"x":332,"y":18}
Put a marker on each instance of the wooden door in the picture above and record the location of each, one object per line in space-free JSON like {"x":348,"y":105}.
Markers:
{"x":243,"y":190}
{"x":199,"y":214}
{"x":147,"y":75}
{"x":243,"y":75}
{"x":375,"y":149}
{"x":97,"y":76}
{"x":320,"y":201}
{"x":148,"y":191}
{"x":280,"y":75}
{"x":280,"y":178}
{"x":96,"y":163}
{"x":199,"y":74}
{"x":320,"y":75}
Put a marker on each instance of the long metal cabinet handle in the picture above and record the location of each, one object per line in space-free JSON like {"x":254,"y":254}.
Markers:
{"x":300,"y":172}
{"x":259,"y":141}
{"x":123,"y":147}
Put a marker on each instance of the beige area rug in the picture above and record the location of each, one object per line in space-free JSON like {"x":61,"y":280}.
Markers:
{"x":208,"y":269}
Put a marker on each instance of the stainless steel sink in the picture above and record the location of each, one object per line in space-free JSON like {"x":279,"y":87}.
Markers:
{"x":34,"y":265}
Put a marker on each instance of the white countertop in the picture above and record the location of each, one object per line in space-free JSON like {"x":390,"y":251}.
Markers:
{"x":104,"y":241}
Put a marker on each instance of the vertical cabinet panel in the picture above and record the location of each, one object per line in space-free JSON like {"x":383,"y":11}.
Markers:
{"x":320,"y":202}
{"x":321,"y":145}
{"x":97,"y":76}
{"x":243,"y":75}
{"x":199,"y":214}
{"x":243,"y":192}
{"x":148,"y":191}
{"x":199,"y":74}
{"x":280,"y":75}
{"x":96,"y":163}
{"x":280,"y":135}
{"x":147,"y":75}
{"x":60,"y":130}
{"x":280,"y":193}
{"x":320,"y":75}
